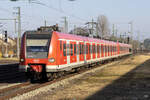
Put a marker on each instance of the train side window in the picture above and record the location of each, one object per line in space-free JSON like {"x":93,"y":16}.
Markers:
{"x":114,"y":48}
{"x":87,"y":49}
{"x":68,"y":50}
{"x":103,"y":48}
{"x":77,"y":49}
{"x":74,"y":49}
{"x":82,"y":48}
{"x":64,"y":49}
{"x":110,"y":48}
{"x":60,"y":45}
{"x":93,"y":49}
{"x":71,"y":49}
{"x":98,"y":49}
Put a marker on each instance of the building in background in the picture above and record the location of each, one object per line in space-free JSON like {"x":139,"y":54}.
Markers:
{"x":7,"y":49}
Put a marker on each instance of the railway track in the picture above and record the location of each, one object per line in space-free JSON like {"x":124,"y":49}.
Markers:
{"x":9,"y":73}
{"x":22,"y":88}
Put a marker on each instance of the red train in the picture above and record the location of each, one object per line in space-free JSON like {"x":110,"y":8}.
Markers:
{"x":46,"y":54}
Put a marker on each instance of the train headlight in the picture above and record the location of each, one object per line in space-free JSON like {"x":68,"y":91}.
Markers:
{"x":21,"y":60}
{"x":51,"y":60}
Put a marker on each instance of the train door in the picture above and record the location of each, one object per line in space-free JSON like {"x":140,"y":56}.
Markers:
{"x":115,"y":50}
{"x":111,"y":49}
{"x":75,"y":52}
{"x":87,"y":51}
{"x":72,"y":52}
{"x":81,"y":51}
{"x":93,"y":50}
{"x":102,"y":50}
{"x":98,"y":51}
{"x":63,"y":52}
{"x":77,"y":45}
{"x":108,"y":50}
{"x":84,"y":52}
{"x":118,"y":48}
{"x":105,"y":50}
{"x":68,"y":52}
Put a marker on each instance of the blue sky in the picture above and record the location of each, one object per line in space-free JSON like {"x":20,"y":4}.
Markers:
{"x":120,"y":12}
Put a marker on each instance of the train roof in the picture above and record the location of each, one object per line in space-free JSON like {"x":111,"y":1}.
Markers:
{"x":81,"y":38}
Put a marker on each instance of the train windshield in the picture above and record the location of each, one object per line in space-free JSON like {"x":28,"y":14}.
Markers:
{"x":37,"y":45}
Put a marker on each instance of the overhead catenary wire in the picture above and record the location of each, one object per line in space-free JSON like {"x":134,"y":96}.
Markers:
{"x":61,"y":11}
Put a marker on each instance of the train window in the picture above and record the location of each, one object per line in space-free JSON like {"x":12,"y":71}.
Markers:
{"x":89,"y":48}
{"x":106,"y":49}
{"x":98,"y":49}
{"x":68,"y":50}
{"x":82,"y":49}
{"x":74,"y":49}
{"x":114,"y":48}
{"x":71,"y":48}
{"x":60,"y":45}
{"x":77,"y":49}
{"x":86,"y":49}
{"x":110,"y":48}
{"x":64,"y":49}
{"x":103,"y":48}
{"x":93,"y":48}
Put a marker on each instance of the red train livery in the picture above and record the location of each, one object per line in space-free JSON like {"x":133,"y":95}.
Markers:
{"x":46,"y":53}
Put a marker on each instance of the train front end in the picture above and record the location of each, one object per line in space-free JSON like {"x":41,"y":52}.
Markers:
{"x":34,"y":54}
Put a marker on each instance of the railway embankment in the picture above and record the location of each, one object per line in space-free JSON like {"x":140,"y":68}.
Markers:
{"x":8,"y":60}
{"x":127,"y":79}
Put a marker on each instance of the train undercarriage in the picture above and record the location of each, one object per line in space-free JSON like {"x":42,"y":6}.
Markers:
{"x":37,"y":72}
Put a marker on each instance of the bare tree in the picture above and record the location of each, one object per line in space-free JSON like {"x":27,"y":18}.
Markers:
{"x":80,"y":31}
{"x":103,"y":26}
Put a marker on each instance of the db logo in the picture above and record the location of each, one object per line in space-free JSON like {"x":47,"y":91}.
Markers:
{"x":36,"y":60}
